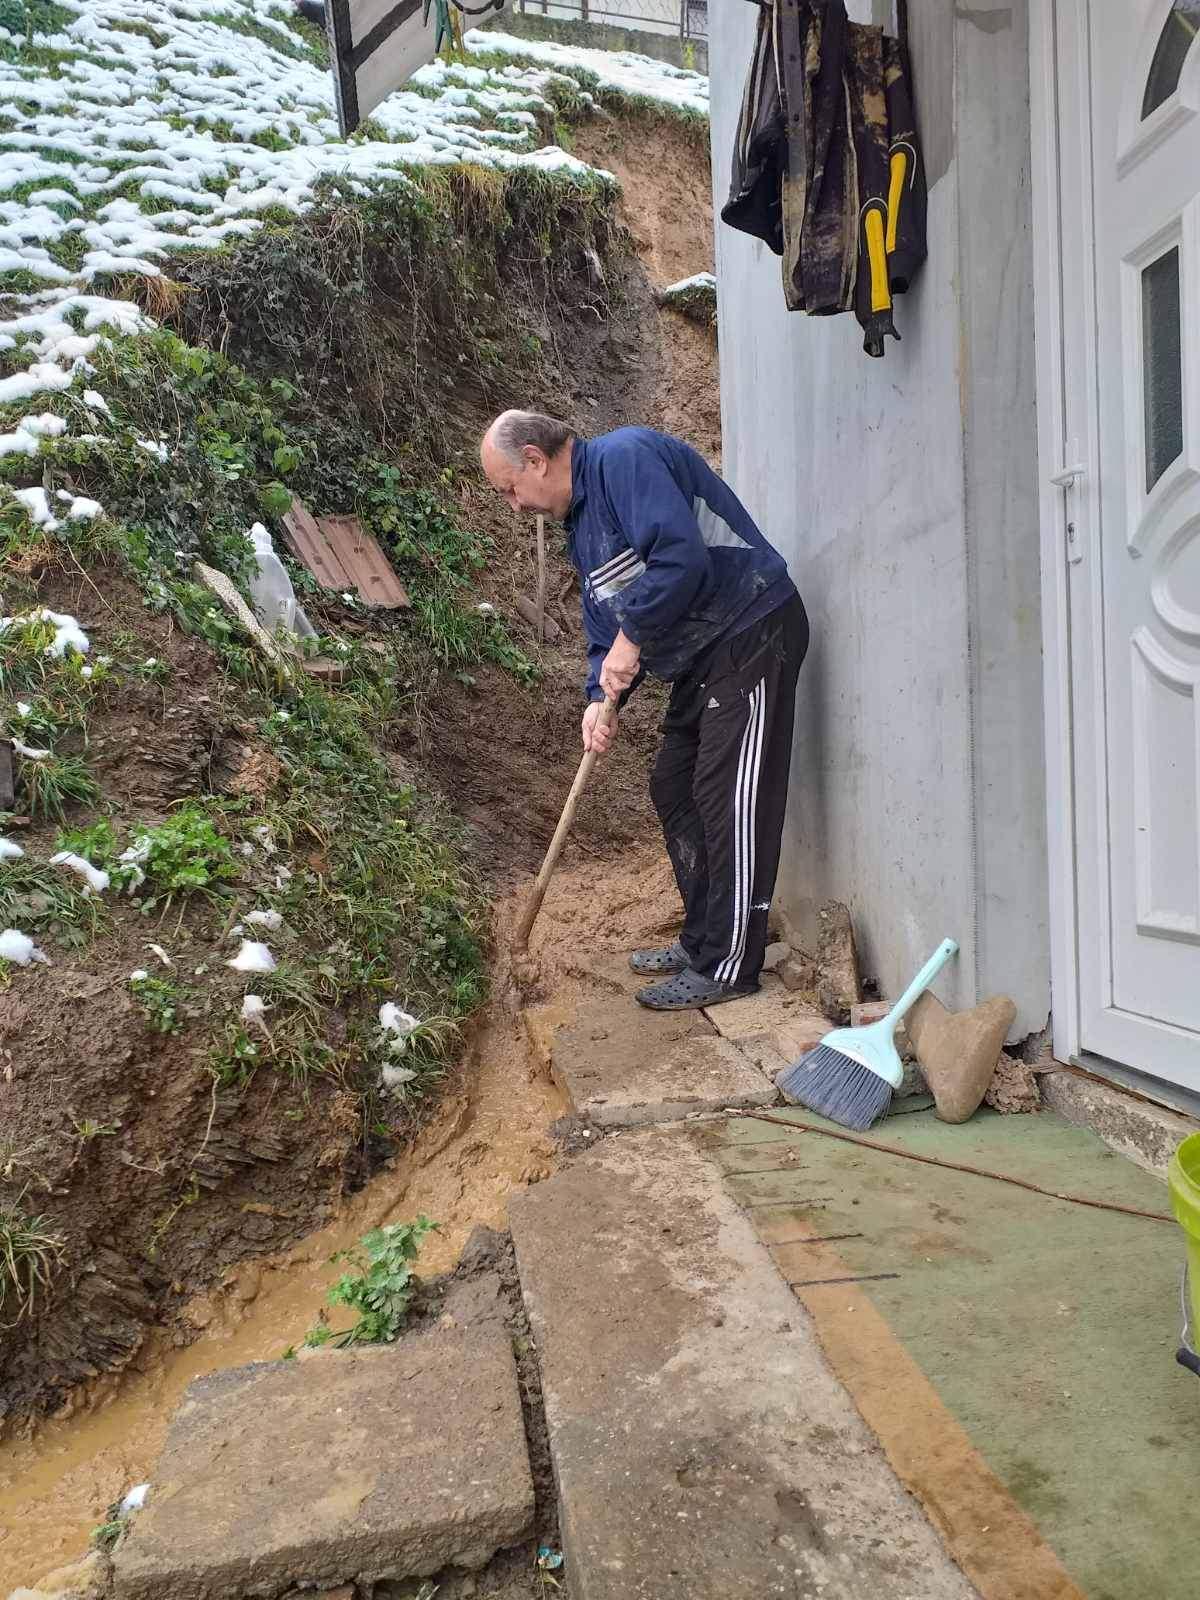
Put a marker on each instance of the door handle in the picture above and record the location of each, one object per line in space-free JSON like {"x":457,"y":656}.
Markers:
{"x":1068,"y":476}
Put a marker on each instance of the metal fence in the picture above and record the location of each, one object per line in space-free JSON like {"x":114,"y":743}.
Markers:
{"x":682,"y":19}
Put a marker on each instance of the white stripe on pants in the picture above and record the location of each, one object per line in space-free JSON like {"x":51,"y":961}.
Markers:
{"x":745,"y":805}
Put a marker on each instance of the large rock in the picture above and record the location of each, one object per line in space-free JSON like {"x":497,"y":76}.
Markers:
{"x":373,"y":1463}
{"x":958,"y":1050}
{"x":702,"y":1448}
{"x":839,"y":986}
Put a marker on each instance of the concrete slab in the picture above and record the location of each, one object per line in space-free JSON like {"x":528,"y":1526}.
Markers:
{"x":703,"y":1449}
{"x":624,"y":1066}
{"x":1147,"y":1134}
{"x":776,"y":1014}
{"x":366,"y":1464}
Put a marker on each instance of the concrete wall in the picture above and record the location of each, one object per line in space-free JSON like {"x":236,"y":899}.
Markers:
{"x":903,"y":492}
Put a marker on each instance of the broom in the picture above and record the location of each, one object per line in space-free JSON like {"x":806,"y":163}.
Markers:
{"x":849,"y":1077}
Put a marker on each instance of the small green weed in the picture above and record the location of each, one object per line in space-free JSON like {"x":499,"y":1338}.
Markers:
{"x":182,"y":855}
{"x":24,"y":658}
{"x":106,"y":1536}
{"x":188,"y":1197}
{"x":234,"y":1057}
{"x":381,"y":1287}
{"x":97,"y":844}
{"x":162,"y":1002}
{"x":87,"y":1128}
{"x":35,"y":897}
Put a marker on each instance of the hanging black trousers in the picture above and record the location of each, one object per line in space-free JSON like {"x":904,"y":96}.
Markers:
{"x":720,"y":786}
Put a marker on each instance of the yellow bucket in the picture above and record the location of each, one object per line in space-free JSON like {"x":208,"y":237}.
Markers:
{"x":1183,"y":1179}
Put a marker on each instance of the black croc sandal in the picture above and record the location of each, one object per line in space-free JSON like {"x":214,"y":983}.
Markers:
{"x":689,"y":991}
{"x":660,"y":963}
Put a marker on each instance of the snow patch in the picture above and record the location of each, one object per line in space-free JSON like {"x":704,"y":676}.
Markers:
{"x":19,"y":949}
{"x":95,"y":879}
{"x":252,"y":957}
{"x":137,"y":150}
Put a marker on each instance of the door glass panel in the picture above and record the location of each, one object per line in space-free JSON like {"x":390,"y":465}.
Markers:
{"x":1162,"y":364}
{"x":1179,"y":30}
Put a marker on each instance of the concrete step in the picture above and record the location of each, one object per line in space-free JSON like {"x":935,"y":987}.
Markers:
{"x":702,"y":1448}
{"x":623,"y":1066}
{"x":365,"y":1464}
{"x":1128,"y":1123}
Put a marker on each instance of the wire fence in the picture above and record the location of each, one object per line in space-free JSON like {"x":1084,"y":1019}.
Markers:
{"x":682,"y":19}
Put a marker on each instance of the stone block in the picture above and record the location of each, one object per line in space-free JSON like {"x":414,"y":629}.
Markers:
{"x":764,"y":1053}
{"x":685,"y":1396}
{"x":838,"y":984}
{"x":800,"y":1034}
{"x":958,"y":1050}
{"x":798,"y":971}
{"x":1133,"y":1126}
{"x":774,"y":1014}
{"x":391,"y":1461}
{"x":619,"y":1086}
{"x":776,"y":954}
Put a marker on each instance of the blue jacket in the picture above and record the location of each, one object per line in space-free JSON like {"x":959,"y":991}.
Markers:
{"x":665,"y":551}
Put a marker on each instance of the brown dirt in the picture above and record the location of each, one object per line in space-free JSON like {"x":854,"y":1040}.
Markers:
{"x":227,"y":1281}
{"x":667,"y":207}
{"x":636,"y":363}
{"x":180,"y":1181}
{"x":491,"y":1134}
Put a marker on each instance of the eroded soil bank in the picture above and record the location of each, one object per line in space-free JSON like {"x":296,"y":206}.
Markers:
{"x":504,"y":756}
{"x":495,"y":1131}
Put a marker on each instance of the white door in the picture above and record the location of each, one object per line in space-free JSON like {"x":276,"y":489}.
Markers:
{"x":1129,"y":75}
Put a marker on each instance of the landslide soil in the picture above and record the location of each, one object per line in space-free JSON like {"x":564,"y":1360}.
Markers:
{"x":242,"y":1273}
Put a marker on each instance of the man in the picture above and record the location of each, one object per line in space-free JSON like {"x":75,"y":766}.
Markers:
{"x":677,"y":581}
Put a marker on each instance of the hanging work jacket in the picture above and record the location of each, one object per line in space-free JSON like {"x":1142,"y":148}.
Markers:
{"x":827,"y":166}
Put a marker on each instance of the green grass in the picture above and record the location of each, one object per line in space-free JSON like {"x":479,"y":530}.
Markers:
{"x":39,"y":898}
{"x":50,"y":788}
{"x":30,"y":1249}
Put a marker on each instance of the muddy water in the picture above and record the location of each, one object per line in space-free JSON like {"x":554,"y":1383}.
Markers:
{"x":488,"y":1139}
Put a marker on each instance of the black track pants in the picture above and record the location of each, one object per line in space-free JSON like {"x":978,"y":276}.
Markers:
{"x":720,"y":784}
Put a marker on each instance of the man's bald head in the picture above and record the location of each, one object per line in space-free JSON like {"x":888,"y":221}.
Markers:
{"x":526,"y":457}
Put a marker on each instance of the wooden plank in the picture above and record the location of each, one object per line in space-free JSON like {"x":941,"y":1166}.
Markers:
{"x":225,"y":591}
{"x":326,"y":670}
{"x":8,"y":794}
{"x":528,"y":609}
{"x":370,"y":571}
{"x":310,"y":546}
{"x":541,"y":576}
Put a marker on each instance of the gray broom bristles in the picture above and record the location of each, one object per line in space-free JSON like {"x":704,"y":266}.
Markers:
{"x":836,"y":1086}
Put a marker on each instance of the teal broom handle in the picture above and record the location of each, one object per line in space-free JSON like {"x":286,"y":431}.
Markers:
{"x":923,"y":979}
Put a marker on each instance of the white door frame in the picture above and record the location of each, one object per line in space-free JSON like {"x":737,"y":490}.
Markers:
{"x":1068,"y":434}
{"x":1050,"y":334}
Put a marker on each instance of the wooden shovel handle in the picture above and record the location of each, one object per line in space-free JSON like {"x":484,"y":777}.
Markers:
{"x":537,"y":894}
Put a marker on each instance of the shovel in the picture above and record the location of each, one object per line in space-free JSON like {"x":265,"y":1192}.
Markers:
{"x":537,"y":894}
